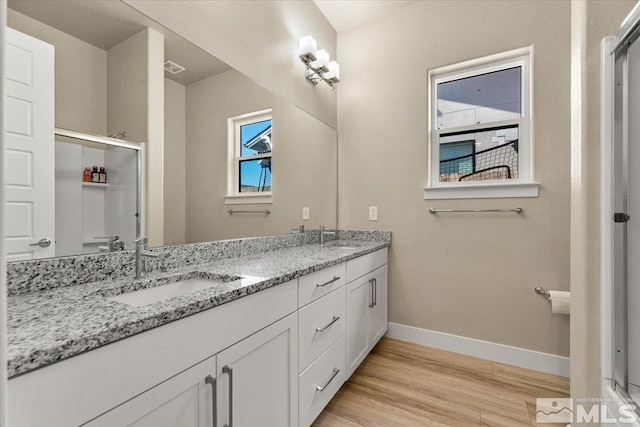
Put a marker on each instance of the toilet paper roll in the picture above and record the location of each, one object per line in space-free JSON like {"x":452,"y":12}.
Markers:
{"x":560,"y":302}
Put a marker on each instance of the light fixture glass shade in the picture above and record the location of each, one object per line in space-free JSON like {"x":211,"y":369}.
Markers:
{"x":308,"y":48}
{"x":333,"y":74}
{"x":322,"y":63}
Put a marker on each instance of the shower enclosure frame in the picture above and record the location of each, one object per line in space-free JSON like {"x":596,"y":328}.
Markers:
{"x":615,"y":130}
{"x":139,"y":148}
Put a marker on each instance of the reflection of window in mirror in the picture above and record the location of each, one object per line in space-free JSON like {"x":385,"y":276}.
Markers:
{"x":250,"y":145}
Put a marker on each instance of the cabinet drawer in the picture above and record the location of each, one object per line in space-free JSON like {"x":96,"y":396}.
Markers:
{"x":314,"y":285}
{"x":318,"y":327}
{"x":311,"y":400}
{"x":358,"y":267}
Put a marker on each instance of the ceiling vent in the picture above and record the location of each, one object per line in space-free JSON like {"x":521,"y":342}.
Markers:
{"x":173,"y":68}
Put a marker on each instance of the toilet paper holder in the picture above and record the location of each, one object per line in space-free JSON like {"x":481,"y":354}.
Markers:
{"x":541,"y":291}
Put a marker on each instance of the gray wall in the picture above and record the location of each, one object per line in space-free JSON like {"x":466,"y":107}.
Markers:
{"x":468,"y":275}
{"x":304,"y":162}
{"x":136,"y":105}
{"x":174,"y":162}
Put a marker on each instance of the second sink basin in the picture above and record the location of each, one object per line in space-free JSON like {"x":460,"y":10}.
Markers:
{"x":159,"y":293}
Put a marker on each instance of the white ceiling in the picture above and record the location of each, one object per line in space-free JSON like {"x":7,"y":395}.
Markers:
{"x":344,"y":14}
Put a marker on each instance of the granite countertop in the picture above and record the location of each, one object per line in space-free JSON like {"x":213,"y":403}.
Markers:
{"x":51,"y":325}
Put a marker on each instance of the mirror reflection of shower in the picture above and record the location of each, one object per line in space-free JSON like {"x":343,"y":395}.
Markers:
{"x":95,"y":196}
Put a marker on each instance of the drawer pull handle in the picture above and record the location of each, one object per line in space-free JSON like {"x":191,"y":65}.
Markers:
{"x":212,"y":382}
{"x":336,"y":371}
{"x":321,"y":285}
{"x":375,"y":292}
{"x":371,"y":304}
{"x":227,"y":370}
{"x":334,"y":320}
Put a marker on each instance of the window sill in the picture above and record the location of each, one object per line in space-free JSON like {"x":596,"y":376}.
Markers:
{"x":249,"y":199}
{"x":483,"y":191}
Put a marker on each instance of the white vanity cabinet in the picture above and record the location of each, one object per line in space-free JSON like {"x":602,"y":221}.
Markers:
{"x":367,"y":306}
{"x":321,"y":336}
{"x":256,"y":383}
{"x":186,"y":400}
{"x":274,"y":358}
{"x":258,"y":378}
{"x":152,"y":371}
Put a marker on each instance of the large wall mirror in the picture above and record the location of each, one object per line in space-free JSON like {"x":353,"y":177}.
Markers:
{"x":225,"y":158}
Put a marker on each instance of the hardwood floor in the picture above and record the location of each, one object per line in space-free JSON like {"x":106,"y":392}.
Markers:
{"x":404,"y":384}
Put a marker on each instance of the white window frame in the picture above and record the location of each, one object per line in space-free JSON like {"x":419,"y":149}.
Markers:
{"x":524,"y":185}
{"x":234,"y":196}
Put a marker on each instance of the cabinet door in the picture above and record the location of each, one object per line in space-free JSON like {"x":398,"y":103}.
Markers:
{"x":359,"y":298}
{"x":258,"y":378}
{"x":378,"y":314}
{"x":186,"y":400}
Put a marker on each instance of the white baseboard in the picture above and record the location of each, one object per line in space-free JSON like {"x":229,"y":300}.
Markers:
{"x":529,"y":359}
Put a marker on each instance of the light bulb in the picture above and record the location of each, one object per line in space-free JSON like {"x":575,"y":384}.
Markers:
{"x":307,"y":50}
{"x":334,"y":72}
{"x":322,"y":63}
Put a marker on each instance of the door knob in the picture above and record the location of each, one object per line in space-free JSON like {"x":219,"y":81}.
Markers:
{"x":43,"y":243}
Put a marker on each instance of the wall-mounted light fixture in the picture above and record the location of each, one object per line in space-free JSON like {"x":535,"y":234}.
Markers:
{"x":319,"y":67}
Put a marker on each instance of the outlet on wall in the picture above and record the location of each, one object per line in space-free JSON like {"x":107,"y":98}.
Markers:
{"x":373,"y":213}
{"x":305,"y":214}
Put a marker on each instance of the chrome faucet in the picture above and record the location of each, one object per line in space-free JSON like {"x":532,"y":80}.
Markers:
{"x":325,"y":233}
{"x":115,"y":244}
{"x":141,"y":254}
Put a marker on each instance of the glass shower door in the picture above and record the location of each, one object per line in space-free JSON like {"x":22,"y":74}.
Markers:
{"x":626,"y":218}
{"x":620,"y":176}
{"x":633,"y":211}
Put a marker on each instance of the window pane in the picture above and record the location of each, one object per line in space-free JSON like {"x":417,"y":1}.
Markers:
{"x":481,"y":155}
{"x":255,"y":175}
{"x":484,"y":98}
{"x":255,"y":138}
{"x":458,"y":156}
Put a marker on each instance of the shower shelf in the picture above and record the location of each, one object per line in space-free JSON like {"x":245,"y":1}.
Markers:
{"x":94,"y":184}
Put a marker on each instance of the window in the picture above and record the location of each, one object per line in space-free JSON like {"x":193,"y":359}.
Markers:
{"x":480,"y":128}
{"x":249,"y":154}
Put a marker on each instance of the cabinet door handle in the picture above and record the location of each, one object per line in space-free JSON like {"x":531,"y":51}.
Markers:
{"x":212,"y":381}
{"x":321,"y":285}
{"x":375,"y":292}
{"x":334,"y":320}
{"x":371,"y":297}
{"x":227,"y":370}
{"x":336,"y":371}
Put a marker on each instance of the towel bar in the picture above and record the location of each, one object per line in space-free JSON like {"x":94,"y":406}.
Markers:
{"x":516,"y":210}
{"x":266,"y":211}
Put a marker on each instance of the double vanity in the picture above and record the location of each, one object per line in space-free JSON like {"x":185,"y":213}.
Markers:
{"x":249,"y":332}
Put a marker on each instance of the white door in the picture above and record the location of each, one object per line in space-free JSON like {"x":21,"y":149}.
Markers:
{"x":186,"y":400}
{"x":359,"y":300}
{"x":379,"y":312}
{"x":258,"y":378}
{"x":29,"y":147}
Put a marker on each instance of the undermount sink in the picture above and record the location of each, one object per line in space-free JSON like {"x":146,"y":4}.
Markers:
{"x":152,"y":295}
{"x":341,"y":245}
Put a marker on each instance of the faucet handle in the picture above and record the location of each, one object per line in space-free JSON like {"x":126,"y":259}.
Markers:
{"x":112,"y":238}
{"x":142,"y":241}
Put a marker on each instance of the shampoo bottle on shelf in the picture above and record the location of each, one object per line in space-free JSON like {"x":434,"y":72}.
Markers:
{"x":86,"y":177}
{"x":95,"y":175}
{"x":103,"y":175}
